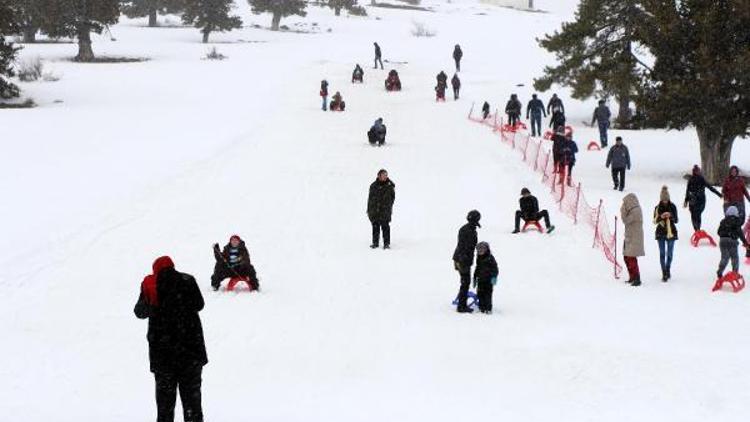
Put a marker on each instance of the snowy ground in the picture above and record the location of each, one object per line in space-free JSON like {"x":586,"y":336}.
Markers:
{"x":171,"y":155}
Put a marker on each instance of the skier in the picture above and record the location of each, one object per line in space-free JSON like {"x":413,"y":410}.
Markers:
{"x":665,"y":218}
{"x":457,"y":55}
{"x":695,"y":196}
{"x":535,"y":109}
{"x":376,"y":134}
{"x":378,"y":56}
{"x":171,"y":301}
{"x":337,"y":102}
{"x":485,"y":277}
{"x":463,"y":257}
{"x":555,"y":104}
{"x":358,"y":74}
{"x":233,"y":261}
{"x":730,"y":230}
{"x":530,"y":211}
{"x":568,"y":158}
{"x":380,"y":208}
{"x":619,"y":159}
{"x":735,"y":192}
{"x":442,"y":85}
{"x":513,"y":110}
{"x":632,"y":219}
{"x":324,"y":93}
{"x":602,"y":116}
{"x":393,"y":82}
{"x":456,"y":84}
{"x":485,"y":110}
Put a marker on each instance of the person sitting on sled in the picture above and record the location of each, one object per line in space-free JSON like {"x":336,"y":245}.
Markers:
{"x":233,"y":261}
{"x":393,"y":83}
{"x":442,"y":85}
{"x":337,"y":102}
{"x":358,"y":74}
{"x":530,"y":211}
{"x":730,"y":232}
{"x":376,"y":134}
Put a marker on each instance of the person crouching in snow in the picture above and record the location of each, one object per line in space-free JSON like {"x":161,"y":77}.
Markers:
{"x":485,"y":277}
{"x":233,"y":261}
{"x":337,"y":102}
{"x":730,"y":231}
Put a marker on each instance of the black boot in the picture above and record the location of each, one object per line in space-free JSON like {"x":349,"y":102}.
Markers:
{"x":464,"y":310}
{"x":664,"y":276}
{"x":669,"y":273}
{"x":636,"y":282}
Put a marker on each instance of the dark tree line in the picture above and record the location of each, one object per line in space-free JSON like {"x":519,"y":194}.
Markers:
{"x":682,"y":62}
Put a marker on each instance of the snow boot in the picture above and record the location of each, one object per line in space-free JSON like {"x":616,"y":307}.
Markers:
{"x":636,"y":282}
{"x":516,"y":231}
{"x":550,"y":229}
{"x":386,"y":246}
{"x":464,"y":310}
{"x":374,"y":246}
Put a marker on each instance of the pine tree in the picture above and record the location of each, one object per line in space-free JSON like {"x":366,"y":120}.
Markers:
{"x":701,"y":73}
{"x":337,"y":5}
{"x":31,"y":14}
{"x":279,"y":9}
{"x":79,"y":18}
{"x":151,"y":8}
{"x":595,"y":53}
{"x":210,"y":16}
{"x":8,"y":25}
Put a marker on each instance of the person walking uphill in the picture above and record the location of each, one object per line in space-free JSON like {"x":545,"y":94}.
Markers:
{"x":695,"y":196}
{"x":602,"y":116}
{"x":633,"y":247}
{"x":730,"y":231}
{"x":619,"y":159}
{"x":485,"y":277}
{"x":380,"y":208}
{"x":457,"y":55}
{"x":665,"y":218}
{"x":463,"y":257}
{"x":456,"y":85}
{"x":324,"y":93}
{"x":735,"y":192}
{"x":513,"y":110}
{"x":378,"y":56}
{"x":171,"y":301}
{"x":535,"y":109}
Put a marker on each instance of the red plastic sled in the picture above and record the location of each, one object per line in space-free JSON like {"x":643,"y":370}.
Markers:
{"x":548,"y":135}
{"x":696,"y":238}
{"x":534,"y":224}
{"x":234,"y":280}
{"x":594,"y":146}
{"x":735,"y":280}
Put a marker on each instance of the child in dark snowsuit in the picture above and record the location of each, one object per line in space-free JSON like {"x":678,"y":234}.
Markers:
{"x":485,"y":277}
{"x":233,"y":261}
{"x":485,"y":110}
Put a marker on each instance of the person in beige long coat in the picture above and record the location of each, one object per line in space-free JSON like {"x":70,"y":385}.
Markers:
{"x":633,"y":247}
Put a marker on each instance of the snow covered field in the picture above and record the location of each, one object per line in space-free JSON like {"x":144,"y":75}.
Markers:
{"x":176,"y":153}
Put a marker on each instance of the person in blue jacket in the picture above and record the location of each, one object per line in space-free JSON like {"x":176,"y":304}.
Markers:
{"x":535,"y":110}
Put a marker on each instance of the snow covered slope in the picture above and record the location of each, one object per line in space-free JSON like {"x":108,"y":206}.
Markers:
{"x":174,"y":154}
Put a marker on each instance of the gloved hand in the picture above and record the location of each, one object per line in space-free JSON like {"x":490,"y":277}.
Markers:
{"x":493,"y":280}
{"x":216,"y":246}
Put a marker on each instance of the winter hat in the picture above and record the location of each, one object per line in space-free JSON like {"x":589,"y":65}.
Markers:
{"x":235,"y":236}
{"x":664,"y":195}
{"x":696,"y":170}
{"x":148,"y":287}
{"x":483,"y":248}
{"x":732,"y":212}
{"x":382,"y":171}
{"x":474,"y":216}
{"x":525,"y":191}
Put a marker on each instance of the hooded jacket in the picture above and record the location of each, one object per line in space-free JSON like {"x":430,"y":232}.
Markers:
{"x":632,"y":218}
{"x":380,"y":201}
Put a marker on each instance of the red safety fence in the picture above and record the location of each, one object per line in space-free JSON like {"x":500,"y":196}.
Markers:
{"x":567,"y":193}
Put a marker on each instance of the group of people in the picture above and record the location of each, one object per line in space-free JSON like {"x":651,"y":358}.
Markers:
{"x":337,"y":101}
{"x":535,"y":111}
{"x":665,"y":218}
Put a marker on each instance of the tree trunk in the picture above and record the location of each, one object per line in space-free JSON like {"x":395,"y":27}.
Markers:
{"x":29,"y":34}
{"x":338,"y":10}
{"x":531,"y":4}
{"x":625,"y":114}
{"x":206,"y":33}
{"x":275,"y":21}
{"x":152,"y":22}
{"x":716,"y":153}
{"x":85,"y":52}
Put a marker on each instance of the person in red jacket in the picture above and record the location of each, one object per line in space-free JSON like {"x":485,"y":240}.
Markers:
{"x":735,"y":192}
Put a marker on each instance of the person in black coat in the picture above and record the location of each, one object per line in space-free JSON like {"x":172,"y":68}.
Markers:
{"x":555,"y":104}
{"x":557,"y":121}
{"x":378,"y":56}
{"x":380,"y":208}
{"x":530,"y":211}
{"x":377,"y":132}
{"x":171,"y":301}
{"x":535,"y":111}
{"x":513,"y":110}
{"x":485,"y":277}
{"x":456,"y":85}
{"x":568,"y":159}
{"x":558,"y":143}
{"x":695,"y":196}
{"x":324,"y":93}
{"x":442,"y":85}
{"x":485,"y":110}
{"x":463,"y":257}
{"x":233,"y":260}
{"x":358,"y":74}
{"x":457,"y":55}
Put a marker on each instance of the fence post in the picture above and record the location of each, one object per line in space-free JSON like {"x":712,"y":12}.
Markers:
{"x":544,"y":170}
{"x":494,"y":123}
{"x":526,"y":148}
{"x":562,"y":184}
{"x":617,"y":276}
{"x":596,"y":227}
{"x":578,"y":199}
{"x":536,"y":159}
{"x":471,"y":110}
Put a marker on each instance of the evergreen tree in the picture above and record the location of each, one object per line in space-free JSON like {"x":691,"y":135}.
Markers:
{"x":701,"y":73}
{"x":337,"y":5}
{"x":279,"y":9}
{"x":30,"y":16}
{"x":8,"y":25}
{"x":151,"y":8}
{"x":210,"y":16}
{"x":79,"y":18}
{"x":595,"y":53}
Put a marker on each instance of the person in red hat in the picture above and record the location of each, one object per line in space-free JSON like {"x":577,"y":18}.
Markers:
{"x":232,"y":261}
{"x":171,"y":301}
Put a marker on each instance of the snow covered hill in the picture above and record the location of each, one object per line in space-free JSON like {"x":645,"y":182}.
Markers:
{"x":176,"y":153}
